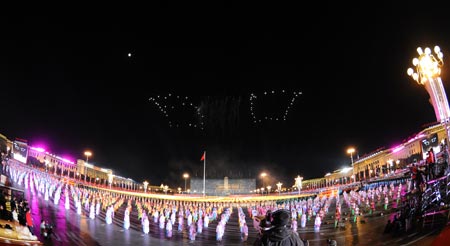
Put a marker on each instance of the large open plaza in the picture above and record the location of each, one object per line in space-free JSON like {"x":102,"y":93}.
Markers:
{"x":314,"y":123}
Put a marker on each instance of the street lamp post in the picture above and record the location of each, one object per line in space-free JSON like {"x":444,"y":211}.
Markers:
{"x":185,"y":176}
{"x":298,"y":183}
{"x":87,"y":154}
{"x":279,"y":184}
{"x":427,"y":73}
{"x":50,"y":167}
{"x":263,"y":175}
{"x":110,"y":179}
{"x":351,"y":151}
{"x":145,"y":186}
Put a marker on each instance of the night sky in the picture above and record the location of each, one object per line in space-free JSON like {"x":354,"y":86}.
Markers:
{"x":69,"y":84}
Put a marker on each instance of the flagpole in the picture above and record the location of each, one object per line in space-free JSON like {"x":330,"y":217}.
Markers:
{"x":204,"y":172}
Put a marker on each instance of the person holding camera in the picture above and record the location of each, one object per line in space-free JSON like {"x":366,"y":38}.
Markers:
{"x":331,"y":242}
{"x":275,"y":231}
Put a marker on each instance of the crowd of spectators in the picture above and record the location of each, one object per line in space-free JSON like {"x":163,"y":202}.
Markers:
{"x":13,"y":205}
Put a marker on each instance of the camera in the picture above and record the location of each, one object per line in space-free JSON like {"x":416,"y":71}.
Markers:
{"x":262,"y":223}
{"x":331,"y":242}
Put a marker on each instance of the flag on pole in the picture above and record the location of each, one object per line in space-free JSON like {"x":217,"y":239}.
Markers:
{"x":204,"y":171}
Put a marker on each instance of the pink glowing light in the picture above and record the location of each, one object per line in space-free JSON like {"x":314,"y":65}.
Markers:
{"x":38,"y":149}
{"x":397,"y":149}
{"x":416,"y":137}
{"x":65,"y":160}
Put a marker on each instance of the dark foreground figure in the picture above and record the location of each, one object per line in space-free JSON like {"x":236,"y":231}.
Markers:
{"x":274,"y":231}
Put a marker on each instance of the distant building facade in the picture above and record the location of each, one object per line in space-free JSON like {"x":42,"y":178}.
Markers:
{"x":223,"y":186}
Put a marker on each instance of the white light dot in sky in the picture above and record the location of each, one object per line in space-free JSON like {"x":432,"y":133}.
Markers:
{"x":129,"y":54}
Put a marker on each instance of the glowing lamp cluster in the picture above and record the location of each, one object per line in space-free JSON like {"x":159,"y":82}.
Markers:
{"x":280,"y":117}
{"x":279,"y":184}
{"x":427,"y":65}
{"x":427,"y":71}
{"x":168,"y":106}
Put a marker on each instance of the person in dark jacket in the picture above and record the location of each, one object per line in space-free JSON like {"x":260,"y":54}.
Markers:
{"x":13,"y":203}
{"x":388,"y":227}
{"x":278,"y":233}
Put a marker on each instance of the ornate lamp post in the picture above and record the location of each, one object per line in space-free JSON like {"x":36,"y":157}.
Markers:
{"x":427,"y":73}
{"x":428,"y":69}
{"x":185,"y":176}
{"x":87,"y":154}
{"x":298,"y":183}
{"x":279,"y":184}
{"x":110,"y":179}
{"x":145,"y":186}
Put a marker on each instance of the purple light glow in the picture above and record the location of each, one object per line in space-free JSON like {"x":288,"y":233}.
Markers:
{"x":416,"y":137}
{"x":397,"y":149}
{"x":38,"y":149}
{"x":69,"y":161}
{"x":65,"y":160}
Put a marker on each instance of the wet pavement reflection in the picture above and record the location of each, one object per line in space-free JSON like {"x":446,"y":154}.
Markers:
{"x":73,"y":229}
